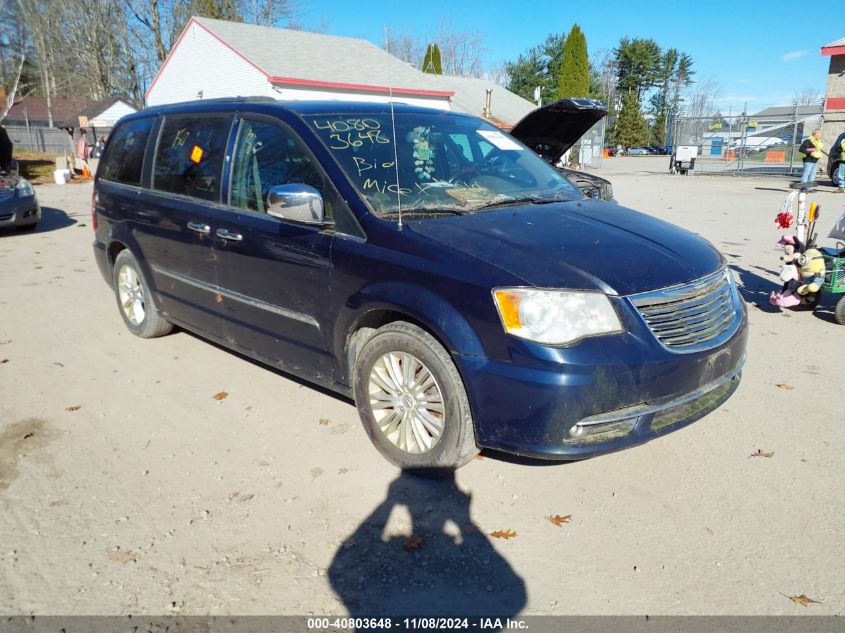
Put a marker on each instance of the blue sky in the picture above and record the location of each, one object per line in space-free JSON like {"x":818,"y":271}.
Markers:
{"x":761,"y":53}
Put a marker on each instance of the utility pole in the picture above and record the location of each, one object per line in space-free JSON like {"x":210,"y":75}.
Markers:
{"x":794,"y":132}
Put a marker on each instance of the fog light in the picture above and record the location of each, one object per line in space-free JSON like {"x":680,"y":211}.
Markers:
{"x":595,"y":432}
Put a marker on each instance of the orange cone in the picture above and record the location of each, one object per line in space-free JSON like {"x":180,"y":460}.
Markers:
{"x":86,"y":173}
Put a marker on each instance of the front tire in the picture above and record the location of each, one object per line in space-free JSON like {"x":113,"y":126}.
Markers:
{"x":134,"y":299}
{"x":412,"y":401}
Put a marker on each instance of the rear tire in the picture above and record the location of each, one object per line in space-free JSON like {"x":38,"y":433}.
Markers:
{"x":134,"y":299}
{"x":840,"y":311}
{"x":412,"y":401}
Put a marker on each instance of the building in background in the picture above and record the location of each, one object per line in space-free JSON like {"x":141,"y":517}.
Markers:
{"x":216,"y":58}
{"x":834,"y":108}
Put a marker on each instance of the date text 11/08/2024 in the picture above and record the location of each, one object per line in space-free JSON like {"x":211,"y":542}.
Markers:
{"x":414,"y":624}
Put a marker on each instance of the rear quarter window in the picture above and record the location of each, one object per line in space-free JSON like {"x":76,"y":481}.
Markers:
{"x":124,"y":156}
{"x":189,"y":157}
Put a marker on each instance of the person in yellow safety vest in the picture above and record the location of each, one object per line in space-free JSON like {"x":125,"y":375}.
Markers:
{"x":812,"y":150}
{"x":840,"y":171}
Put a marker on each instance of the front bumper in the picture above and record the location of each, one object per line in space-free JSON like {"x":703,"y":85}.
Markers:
{"x":616,"y":393}
{"x":17,"y":211}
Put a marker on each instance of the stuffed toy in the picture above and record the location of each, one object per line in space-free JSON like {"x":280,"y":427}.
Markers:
{"x":812,"y":271}
{"x":802,"y":274}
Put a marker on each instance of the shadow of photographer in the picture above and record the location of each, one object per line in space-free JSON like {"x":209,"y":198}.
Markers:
{"x":439,"y":565}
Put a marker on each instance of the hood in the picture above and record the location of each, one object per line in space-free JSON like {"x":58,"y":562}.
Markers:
{"x":552,"y":129}
{"x":578,"y":244}
{"x":7,"y":185}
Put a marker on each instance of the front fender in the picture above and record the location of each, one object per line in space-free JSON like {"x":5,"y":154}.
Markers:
{"x":420,"y":304}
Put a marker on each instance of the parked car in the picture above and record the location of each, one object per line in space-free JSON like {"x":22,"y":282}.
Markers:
{"x":638,"y":151}
{"x":427,"y":265}
{"x":551,"y":130}
{"x":19,"y":206}
{"x":835,"y":158}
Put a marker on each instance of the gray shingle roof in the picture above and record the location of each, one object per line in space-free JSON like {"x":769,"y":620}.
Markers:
{"x":317,"y":57}
{"x":470,"y":94}
{"x":839,"y":42}
{"x":785,"y":112}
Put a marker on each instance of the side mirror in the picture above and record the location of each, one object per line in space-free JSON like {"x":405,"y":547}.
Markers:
{"x":298,"y":202}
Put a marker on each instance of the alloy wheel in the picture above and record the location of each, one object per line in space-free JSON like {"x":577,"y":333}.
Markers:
{"x":407,"y":403}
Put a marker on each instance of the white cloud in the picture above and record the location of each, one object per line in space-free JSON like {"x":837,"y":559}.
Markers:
{"x":794,"y":55}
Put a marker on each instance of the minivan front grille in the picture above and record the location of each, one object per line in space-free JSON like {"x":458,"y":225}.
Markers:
{"x":693,"y":316}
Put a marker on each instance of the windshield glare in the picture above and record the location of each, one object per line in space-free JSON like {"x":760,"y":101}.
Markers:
{"x":436,"y":161}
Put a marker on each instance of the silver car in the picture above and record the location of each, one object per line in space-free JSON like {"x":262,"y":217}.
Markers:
{"x":19,"y":206}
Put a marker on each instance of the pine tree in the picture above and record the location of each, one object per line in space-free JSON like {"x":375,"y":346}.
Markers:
{"x":431,"y":62}
{"x":575,"y":69}
{"x":631,"y":127}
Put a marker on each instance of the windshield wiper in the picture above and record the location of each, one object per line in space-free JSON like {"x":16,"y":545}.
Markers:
{"x":434,"y":210}
{"x":512,"y":201}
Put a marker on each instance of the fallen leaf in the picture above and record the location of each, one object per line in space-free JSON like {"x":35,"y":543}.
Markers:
{"x":781,"y":385}
{"x":28,"y":435}
{"x":342,"y":471}
{"x":786,"y":314}
{"x":503,"y":534}
{"x":122,"y":556}
{"x":415,"y":541}
{"x":761,"y":453}
{"x":324,"y":421}
{"x":75,"y":407}
{"x":220,"y":395}
{"x":4,"y":361}
{"x":316,"y":472}
{"x":803,"y":600}
{"x":559,"y":520}
{"x":709,"y":531}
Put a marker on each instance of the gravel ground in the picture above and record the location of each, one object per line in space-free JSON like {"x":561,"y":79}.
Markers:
{"x":126,"y":488}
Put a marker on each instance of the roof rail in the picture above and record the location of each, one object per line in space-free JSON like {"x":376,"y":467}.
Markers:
{"x":247,"y":99}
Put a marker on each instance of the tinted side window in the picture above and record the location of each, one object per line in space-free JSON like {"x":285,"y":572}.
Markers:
{"x":189,"y":159}
{"x":125,"y":154}
{"x":268,"y":155}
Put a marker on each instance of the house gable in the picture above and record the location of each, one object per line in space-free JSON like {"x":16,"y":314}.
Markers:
{"x":200,"y":65}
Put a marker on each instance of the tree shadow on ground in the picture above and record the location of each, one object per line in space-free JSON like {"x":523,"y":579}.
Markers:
{"x":453,"y":571}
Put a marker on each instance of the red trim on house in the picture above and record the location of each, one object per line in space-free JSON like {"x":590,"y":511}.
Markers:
{"x":193,"y":20}
{"x":835,"y":103}
{"x":833,"y":50}
{"x":314,"y":83}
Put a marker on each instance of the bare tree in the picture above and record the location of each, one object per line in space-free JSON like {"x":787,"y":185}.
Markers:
{"x":701,"y":99}
{"x":406,"y":46}
{"x":268,"y":12}
{"x":808,"y":97}
{"x":604,"y":64}
{"x":462,"y":52}
{"x":14,"y":50}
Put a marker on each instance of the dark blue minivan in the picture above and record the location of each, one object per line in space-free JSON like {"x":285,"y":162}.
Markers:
{"x":424,"y":263}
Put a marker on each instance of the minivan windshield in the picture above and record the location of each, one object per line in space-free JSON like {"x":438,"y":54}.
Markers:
{"x":437,"y":162}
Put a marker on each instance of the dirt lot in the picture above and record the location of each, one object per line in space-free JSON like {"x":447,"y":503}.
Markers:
{"x":126,"y":488}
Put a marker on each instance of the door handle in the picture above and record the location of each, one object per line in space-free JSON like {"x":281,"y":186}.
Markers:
{"x":202,"y":229}
{"x":223,"y":234}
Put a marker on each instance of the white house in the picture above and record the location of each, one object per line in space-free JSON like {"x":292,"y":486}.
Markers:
{"x":216,"y":58}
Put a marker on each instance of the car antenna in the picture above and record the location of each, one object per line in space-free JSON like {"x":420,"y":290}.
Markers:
{"x":393,"y":126}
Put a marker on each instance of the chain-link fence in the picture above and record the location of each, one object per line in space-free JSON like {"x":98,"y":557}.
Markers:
{"x":587,"y":152}
{"x":743,"y":145}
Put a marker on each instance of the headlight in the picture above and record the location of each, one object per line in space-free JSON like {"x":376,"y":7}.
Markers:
{"x":24,"y":189}
{"x":555,"y":317}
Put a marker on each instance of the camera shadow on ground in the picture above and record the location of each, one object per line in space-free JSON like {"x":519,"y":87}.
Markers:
{"x":439,"y":565}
